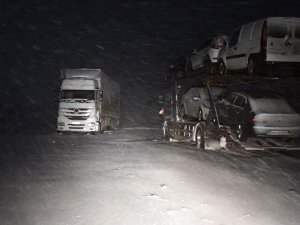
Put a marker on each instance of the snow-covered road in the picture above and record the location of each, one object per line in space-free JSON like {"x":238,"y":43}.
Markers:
{"x":132,"y":177}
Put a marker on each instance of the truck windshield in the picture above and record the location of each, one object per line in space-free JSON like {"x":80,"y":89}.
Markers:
{"x":78,"y":94}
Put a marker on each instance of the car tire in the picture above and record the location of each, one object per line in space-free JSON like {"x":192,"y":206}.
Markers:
{"x":222,"y":70}
{"x":241,"y":132}
{"x":200,"y":141}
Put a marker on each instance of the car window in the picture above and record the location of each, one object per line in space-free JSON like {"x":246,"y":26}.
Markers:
{"x":196,"y":92}
{"x":205,"y":44}
{"x":234,"y":38}
{"x":257,"y":30}
{"x":230,"y":99}
{"x":240,"y":101}
{"x":246,"y":32}
{"x":278,"y":30}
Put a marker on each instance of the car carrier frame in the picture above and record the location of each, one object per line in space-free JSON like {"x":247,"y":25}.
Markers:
{"x":209,"y":134}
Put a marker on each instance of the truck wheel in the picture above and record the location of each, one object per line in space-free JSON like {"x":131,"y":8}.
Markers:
{"x":200,"y":142}
{"x":98,"y":131}
{"x":222,"y":68}
{"x":241,"y":133}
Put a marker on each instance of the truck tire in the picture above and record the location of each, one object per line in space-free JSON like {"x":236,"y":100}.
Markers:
{"x":99,"y":131}
{"x":200,"y":142}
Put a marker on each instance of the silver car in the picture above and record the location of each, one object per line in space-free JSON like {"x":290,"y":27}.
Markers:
{"x":258,"y":113}
{"x":195,"y":102}
{"x":205,"y":57}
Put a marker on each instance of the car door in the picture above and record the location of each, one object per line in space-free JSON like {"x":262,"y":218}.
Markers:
{"x":237,"y":111}
{"x":196,"y":101}
{"x":296,"y":39}
{"x":188,"y":101}
{"x":280,"y":40}
{"x":199,"y":54}
{"x":224,"y":109}
{"x":234,"y":54}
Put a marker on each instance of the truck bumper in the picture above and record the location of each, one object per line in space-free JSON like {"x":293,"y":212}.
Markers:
{"x":89,"y":125}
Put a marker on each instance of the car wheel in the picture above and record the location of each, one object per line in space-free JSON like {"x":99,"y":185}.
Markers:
{"x":251,"y":66}
{"x":182,"y":112}
{"x":241,"y":133}
{"x":200,"y":115}
{"x":222,"y":68}
{"x":200,"y":142}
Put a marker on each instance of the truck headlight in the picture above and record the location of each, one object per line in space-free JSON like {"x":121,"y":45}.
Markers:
{"x":91,"y":124}
{"x":60,"y":124}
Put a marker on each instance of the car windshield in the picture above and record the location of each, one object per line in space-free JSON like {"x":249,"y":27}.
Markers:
{"x":78,"y":94}
{"x":270,"y":105}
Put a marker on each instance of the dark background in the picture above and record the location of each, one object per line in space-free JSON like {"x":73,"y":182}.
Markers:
{"x":134,"y":42}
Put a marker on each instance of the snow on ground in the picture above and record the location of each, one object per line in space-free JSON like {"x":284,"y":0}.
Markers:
{"x":132,"y":177}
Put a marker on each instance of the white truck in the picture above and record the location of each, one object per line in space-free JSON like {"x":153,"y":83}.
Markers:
{"x":89,"y":101}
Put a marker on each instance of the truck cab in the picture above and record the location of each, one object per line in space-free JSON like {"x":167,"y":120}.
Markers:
{"x":88,"y":101}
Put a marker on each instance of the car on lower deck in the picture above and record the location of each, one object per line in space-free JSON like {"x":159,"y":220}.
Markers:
{"x":195,"y":103}
{"x":258,"y":113}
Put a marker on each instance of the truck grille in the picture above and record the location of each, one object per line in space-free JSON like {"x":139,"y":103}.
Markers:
{"x":77,"y":113}
{"x":76,"y":126}
{"x":77,"y":117}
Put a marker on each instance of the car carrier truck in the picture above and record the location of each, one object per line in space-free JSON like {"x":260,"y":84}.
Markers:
{"x":210,"y":134}
{"x":89,"y":101}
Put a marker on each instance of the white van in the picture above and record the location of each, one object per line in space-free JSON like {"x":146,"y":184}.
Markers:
{"x":262,"y":44}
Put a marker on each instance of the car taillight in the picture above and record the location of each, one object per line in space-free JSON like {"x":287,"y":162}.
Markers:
{"x":257,"y":121}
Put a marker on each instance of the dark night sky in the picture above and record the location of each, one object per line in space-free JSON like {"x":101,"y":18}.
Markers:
{"x":134,"y":42}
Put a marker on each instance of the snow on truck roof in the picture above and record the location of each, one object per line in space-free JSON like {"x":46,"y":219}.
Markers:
{"x":78,"y":84}
{"x":87,"y":73}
